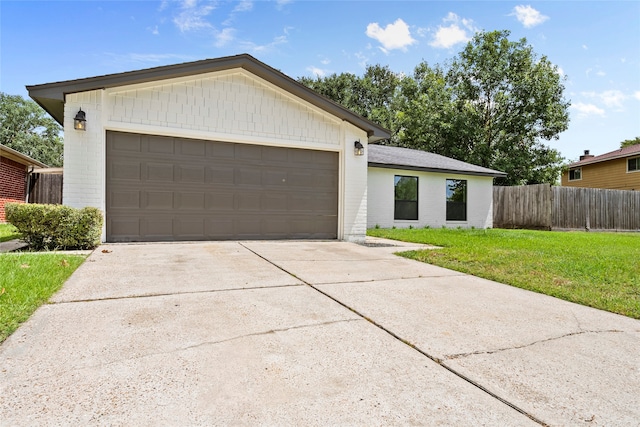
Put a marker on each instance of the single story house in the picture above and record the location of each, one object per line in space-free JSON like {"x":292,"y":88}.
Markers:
{"x":228,"y":148}
{"x":416,"y":188}
{"x":616,"y":170}
{"x":14,"y":169}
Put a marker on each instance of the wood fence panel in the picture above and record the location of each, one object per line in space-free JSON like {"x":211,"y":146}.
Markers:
{"x":46,"y":188}
{"x":566,"y":208}
{"x":595,"y":209}
{"x":522,"y":207}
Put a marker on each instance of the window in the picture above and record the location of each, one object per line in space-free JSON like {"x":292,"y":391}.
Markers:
{"x":456,"y":200}
{"x":633,"y":165}
{"x":406,"y":197}
{"x":575,"y":174}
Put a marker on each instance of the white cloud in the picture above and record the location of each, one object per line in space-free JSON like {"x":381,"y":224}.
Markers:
{"x":585,"y":47}
{"x":192,"y":15}
{"x":636,"y":95}
{"x":253,"y":47}
{"x":585,"y":110}
{"x":528,"y":16}
{"x":610,"y":98}
{"x":393,"y":36}
{"x":224,"y":37}
{"x":601,"y":74}
{"x":458,"y":31}
{"x":613,"y":98}
{"x":318,"y":72}
{"x":244,"y":6}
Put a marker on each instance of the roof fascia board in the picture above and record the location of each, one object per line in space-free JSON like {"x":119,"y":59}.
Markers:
{"x":591,"y":162}
{"x":437,"y":170}
{"x":17,"y":156}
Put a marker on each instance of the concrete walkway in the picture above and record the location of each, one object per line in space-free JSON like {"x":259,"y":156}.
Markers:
{"x":310,"y":333}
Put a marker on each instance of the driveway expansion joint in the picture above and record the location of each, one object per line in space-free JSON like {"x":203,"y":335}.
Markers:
{"x":409,"y":344}
{"x":500,"y":350}
{"x":208,"y":291}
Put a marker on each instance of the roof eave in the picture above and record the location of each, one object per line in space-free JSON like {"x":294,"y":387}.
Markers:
{"x":19,"y":157}
{"x":51,"y":96}
{"x":437,"y":170}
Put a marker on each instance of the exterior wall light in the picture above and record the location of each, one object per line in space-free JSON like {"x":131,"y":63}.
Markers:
{"x":359,"y":148}
{"x":80,"y":121}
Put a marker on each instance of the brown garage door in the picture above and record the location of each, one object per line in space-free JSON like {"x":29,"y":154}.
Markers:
{"x":164,"y":189}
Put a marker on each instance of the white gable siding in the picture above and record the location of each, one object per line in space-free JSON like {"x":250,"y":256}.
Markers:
{"x":431,"y":199}
{"x":231,"y":106}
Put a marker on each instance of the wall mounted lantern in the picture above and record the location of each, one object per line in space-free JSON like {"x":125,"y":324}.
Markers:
{"x":358,"y":148}
{"x":80,"y":121}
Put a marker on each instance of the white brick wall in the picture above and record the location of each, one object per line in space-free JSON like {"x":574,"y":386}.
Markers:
{"x":232,"y":106}
{"x":355,"y":186}
{"x":431,"y":199}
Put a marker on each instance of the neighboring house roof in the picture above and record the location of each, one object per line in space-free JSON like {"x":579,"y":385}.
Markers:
{"x":17,"y":156}
{"x":405,"y":158}
{"x":51,"y":96}
{"x":632,"y":150}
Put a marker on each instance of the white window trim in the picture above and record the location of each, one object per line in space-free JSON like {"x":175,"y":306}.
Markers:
{"x":637,"y":161}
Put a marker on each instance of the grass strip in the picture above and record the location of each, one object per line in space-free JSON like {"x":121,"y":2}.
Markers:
{"x":600,"y":270}
{"x":8,"y":232}
{"x":28,"y":281}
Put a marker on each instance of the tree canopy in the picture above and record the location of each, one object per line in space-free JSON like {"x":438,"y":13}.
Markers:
{"x":494,"y":105}
{"x":26,"y":127}
{"x":630,"y":142}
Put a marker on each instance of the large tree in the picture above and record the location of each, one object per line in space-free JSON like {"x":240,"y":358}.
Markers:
{"x":371,"y":95}
{"x":27,"y":128}
{"x":495,"y":104}
{"x":508,"y":100}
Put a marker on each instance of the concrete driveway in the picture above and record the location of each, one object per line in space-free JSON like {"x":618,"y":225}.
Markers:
{"x":310,"y":333}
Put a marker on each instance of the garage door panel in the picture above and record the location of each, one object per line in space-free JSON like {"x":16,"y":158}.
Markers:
{"x":159,"y":172}
{"x":126,"y":143}
{"x":159,"y":145}
{"x":190,"y":201}
{"x":160,"y":200}
{"x":192,"y":148}
{"x":125,"y":171}
{"x":161,"y":188}
{"x":220,"y":175}
{"x":219,"y":202}
{"x":191,"y":174}
{"x":125,"y":199}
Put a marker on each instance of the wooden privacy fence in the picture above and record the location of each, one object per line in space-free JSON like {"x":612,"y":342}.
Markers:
{"x":45,"y":188}
{"x":565,"y":208}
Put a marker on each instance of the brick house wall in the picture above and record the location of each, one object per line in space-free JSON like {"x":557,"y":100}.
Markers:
{"x":12,"y":183}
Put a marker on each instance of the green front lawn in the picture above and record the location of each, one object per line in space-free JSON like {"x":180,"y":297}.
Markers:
{"x":8,"y":232}
{"x":27,"y":281}
{"x":600,"y":270}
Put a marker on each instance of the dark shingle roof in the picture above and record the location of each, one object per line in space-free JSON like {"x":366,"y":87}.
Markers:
{"x":405,"y":158}
{"x":631,"y":150}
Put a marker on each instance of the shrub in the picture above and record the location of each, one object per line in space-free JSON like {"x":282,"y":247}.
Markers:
{"x":56,"y":226}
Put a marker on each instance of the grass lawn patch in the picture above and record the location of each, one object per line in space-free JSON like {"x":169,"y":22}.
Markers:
{"x":28,"y":281}
{"x":600,"y":270}
{"x":8,"y":232}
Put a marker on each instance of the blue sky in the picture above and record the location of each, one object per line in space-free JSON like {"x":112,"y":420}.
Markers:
{"x":595,"y":44}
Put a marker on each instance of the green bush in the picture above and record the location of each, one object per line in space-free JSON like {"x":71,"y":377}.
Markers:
{"x":56,"y":226}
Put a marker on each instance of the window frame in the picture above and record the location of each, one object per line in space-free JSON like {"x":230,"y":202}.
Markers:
{"x":574,"y":170}
{"x":449,"y":211}
{"x":396,"y":179}
{"x":637,"y":161}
